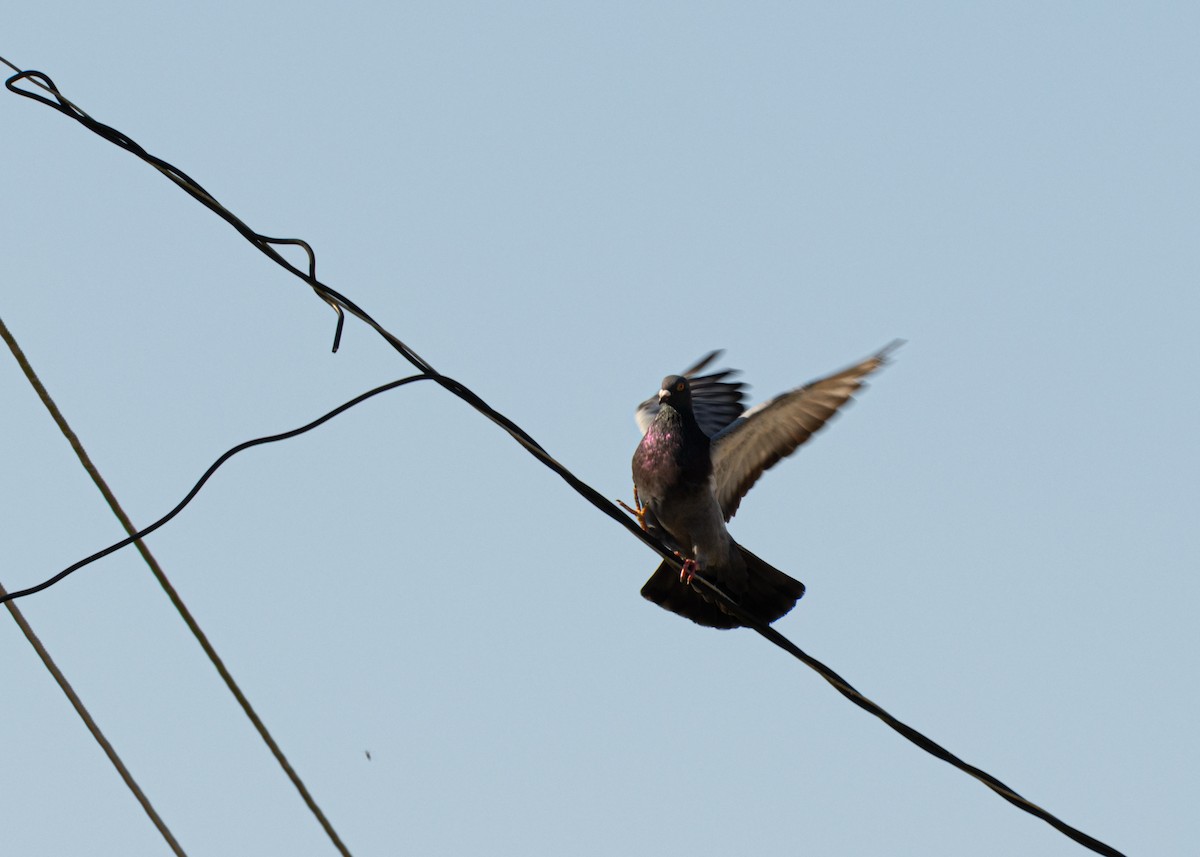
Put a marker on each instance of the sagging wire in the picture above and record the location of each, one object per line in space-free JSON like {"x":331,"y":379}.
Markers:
{"x":191,"y":495}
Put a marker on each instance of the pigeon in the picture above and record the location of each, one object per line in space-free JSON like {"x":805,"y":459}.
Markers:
{"x":701,"y":451}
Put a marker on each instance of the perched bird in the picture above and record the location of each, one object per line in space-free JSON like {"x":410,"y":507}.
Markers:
{"x":700,"y":453}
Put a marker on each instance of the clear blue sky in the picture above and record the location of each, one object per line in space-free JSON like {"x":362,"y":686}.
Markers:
{"x":558,"y":204}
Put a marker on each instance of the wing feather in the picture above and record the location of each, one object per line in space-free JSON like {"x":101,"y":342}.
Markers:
{"x":773,"y":430}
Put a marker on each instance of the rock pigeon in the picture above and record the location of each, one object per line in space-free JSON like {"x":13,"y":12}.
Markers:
{"x":700,"y":453}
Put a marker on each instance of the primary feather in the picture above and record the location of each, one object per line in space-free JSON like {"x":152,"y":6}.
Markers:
{"x":758,"y":439}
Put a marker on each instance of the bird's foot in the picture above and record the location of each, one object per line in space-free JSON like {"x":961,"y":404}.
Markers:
{"x":639,"y":512}
{"x":690,"y":567}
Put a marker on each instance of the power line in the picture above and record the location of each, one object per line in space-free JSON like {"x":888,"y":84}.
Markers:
{"x":927,"y":744}
{"x":91,"y":725}
{"x":335,"y":299}
{"x":172,"y":594}
{"x":138,"y":535}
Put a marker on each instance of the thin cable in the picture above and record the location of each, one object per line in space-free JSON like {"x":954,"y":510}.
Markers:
{"x":225,"y":456}
{"x":598,"y":500}
{"x":172,"y":594}
{"x":92,"y":727}
{"x":927,"y":744}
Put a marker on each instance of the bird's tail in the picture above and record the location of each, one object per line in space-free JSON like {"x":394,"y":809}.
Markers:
{"x":768,"y":595}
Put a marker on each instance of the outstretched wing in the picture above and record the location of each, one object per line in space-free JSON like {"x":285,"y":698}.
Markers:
{"x":716,"y":402}
{"x":771,"y":431}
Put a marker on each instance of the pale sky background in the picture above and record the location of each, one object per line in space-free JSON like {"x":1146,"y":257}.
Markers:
{"x":558,"y":204}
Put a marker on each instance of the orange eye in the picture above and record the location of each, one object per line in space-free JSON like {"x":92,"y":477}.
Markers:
{"x":679,"y":387}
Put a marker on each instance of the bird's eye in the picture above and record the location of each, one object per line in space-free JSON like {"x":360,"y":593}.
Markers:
{"x":679,"y":387}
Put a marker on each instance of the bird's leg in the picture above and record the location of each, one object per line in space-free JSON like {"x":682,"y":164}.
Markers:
{"x":639,"y":512}
{"x":690,"y":567}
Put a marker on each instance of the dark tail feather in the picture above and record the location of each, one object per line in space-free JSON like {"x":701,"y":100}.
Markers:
{"x":769,"y":594}
{"x":665,"y":590}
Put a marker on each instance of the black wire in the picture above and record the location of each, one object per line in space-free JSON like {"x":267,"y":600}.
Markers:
{"x":113,"y":548}
{"x":927,"y":744}
{"x":339,"y":302}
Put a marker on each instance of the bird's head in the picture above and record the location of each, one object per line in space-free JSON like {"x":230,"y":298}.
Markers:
{"x":676,"y":392}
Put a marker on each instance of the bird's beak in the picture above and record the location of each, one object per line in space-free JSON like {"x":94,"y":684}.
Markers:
{"x":664,"y":394}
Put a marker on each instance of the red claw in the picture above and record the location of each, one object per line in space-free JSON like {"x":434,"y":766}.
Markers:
{"x":690,"y":567}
